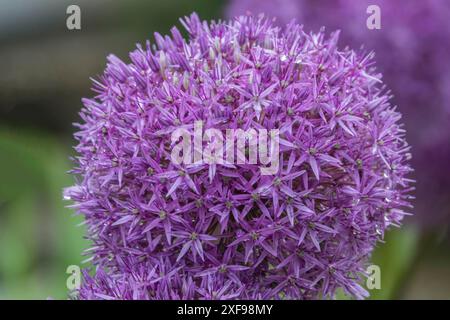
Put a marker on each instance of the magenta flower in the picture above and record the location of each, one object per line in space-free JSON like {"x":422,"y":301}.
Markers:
{"x":162,"y":230}
{"x":411,"y":49}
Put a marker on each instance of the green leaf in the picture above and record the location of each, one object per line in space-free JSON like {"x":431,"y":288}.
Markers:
{"x":395,"y":258}
{"x":39,"y":236}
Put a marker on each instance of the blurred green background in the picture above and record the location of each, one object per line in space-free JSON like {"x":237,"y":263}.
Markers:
{"x":45,"y":71}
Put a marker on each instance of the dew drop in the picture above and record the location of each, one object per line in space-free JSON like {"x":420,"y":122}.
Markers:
{"x":378,"y":230}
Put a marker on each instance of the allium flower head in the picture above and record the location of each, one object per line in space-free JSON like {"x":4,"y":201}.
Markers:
{"x":412,"y":49}
{"x":162,"y":230}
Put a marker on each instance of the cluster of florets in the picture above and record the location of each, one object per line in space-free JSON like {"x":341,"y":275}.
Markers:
{"x":412,"y":47}
{"x":162,"y":230}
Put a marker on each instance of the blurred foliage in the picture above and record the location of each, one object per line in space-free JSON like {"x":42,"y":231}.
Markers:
{"x":39,"y":237}
{"x":395,"y":258}
{"x":46,"y":67}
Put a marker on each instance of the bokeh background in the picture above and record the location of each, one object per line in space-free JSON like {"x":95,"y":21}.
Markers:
{"x":44,"y":72}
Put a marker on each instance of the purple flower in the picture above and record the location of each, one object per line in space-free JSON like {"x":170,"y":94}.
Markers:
{"x":411,"y":48}
{"x":162,"y":230}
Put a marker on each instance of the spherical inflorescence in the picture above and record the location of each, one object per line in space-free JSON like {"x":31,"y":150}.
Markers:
{"x":162,"y":230}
